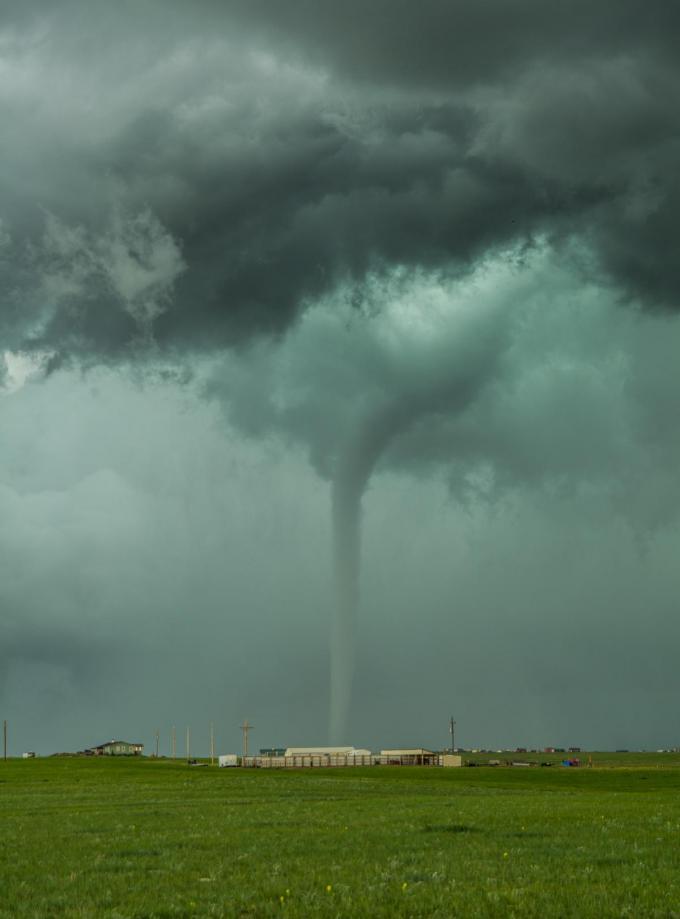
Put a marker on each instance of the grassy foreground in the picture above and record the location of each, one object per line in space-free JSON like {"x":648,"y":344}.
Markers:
{"x":131,"y":838}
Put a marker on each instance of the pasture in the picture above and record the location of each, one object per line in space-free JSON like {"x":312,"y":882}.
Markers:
{"x":146,"y":838}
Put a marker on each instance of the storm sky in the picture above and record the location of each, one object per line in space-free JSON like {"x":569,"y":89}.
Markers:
{"x":260,"y":255}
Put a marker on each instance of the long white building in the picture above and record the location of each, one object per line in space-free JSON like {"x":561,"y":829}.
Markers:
{"x":311,"y":757}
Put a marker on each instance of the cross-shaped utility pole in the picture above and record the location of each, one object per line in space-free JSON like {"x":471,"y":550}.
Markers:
{"x":452,"y":727}
{"x":245,"y":727}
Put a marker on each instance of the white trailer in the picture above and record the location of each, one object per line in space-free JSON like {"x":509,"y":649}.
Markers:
{"x":228,"y":759}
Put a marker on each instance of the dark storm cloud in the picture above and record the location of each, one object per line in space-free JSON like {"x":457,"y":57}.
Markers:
{"x":287,"y":147}
{"x":451,"y":44}
{"x":572,"y":104}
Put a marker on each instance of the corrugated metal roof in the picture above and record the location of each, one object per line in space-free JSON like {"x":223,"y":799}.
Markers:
{"x":319,"y":751}
{"x":420,"y":751}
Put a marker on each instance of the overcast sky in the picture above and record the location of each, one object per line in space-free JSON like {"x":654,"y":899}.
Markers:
{"x":254,"y":250}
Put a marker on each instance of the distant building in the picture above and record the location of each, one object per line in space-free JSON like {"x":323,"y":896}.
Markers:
{"x":117,"y":748}
{"x":334,"y":757}
{"x":324,"y":751}
{"x":326,"y":756}
{"x":409,"y":757}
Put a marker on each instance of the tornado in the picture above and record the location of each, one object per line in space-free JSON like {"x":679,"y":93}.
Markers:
{"x":445,"y":390}
{"x":353,"y":472}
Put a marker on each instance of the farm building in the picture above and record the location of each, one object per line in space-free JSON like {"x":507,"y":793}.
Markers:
{"x":316,"y":757}
{"x":409,"y":757}
{"x":117,"y":748}
{"x":301,"y":757}
{"x":327,"y":756}
{"x":325,"y":751}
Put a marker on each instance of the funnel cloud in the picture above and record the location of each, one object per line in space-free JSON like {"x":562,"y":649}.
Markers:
{"x":439,"y":390}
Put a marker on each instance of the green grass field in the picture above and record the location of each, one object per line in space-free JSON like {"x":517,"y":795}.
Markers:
{"x":134,"y":838}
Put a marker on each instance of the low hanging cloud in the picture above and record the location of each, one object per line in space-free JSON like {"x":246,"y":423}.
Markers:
{"x":135,"y":259}
{"x":79,"y":286}
{"x":570,"y":391}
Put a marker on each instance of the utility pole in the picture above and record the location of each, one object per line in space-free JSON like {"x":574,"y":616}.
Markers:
{"x":173,"y":741}
{"x":4,"y":738}
{"x":452,"y":728}
{"x":158,"y":735}
{"x":188,"y":739}
{"x":245,"y":727}
{"x":212,"y":744}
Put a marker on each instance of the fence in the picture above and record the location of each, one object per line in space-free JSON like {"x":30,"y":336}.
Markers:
{"x":338,"y":760}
